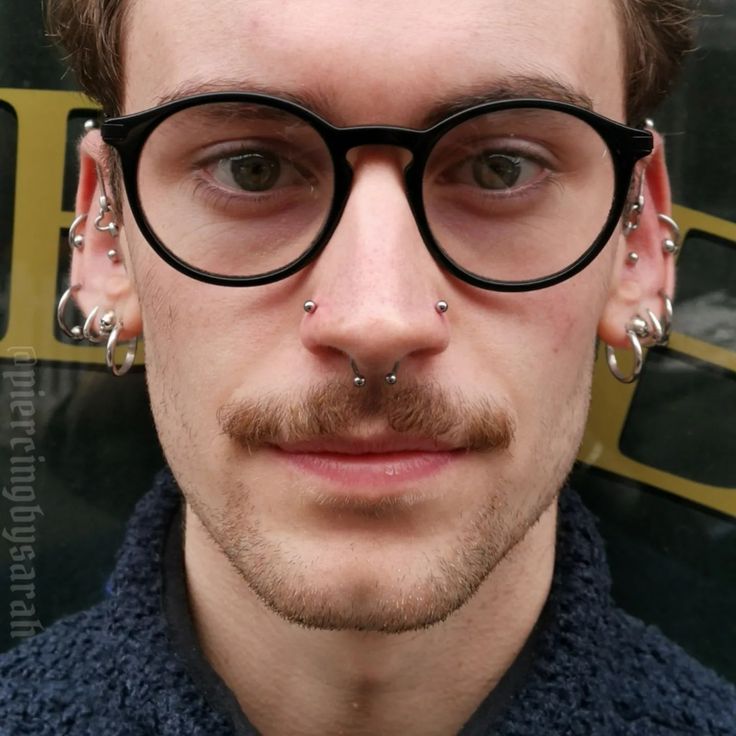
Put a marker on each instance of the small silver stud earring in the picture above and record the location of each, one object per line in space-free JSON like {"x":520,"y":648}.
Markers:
{"x":632,"y":258}
{"x":442,"y":306}
{"x":310,"y":306}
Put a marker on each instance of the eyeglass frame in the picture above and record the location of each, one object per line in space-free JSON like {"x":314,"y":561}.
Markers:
{"x":128,"y":135}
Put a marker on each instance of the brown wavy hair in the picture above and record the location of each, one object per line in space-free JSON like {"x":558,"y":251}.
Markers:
{"x":657,"y":35}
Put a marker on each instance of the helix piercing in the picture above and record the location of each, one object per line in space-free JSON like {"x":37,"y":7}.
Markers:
{"x":359,"y":380}
{"x":442,"y":306}
{"x":75,"y":333}
{"x":105,"y":209}
{"x":670,"y":245}
{"x":310,"y":306}
{"x":76,"y":240}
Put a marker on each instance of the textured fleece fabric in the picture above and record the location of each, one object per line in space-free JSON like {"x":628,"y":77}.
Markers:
{"x":113,"y":671}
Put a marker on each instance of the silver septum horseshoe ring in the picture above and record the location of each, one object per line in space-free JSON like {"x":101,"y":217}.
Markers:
{"x":359,"y":380}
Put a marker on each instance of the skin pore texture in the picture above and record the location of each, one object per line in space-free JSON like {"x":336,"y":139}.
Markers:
{"x":388,"y":591}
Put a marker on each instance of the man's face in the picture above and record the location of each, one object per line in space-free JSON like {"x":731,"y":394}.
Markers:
{"x":340,"y":506}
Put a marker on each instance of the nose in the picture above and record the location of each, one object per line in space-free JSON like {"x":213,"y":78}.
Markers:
{"x":375,"y":286}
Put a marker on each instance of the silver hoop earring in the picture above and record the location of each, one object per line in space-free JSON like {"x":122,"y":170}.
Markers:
{"x":88,"y":331}
{"x":671,"y":245}
{"x":75,"y":333}
{"x":392,"y":378}
{"x":636,"y":329}
{"x":112,"y":344}
{"x":638,"y":360}
{"x":667,"y":317}
{"x":76,"y":240}
{"x":658,"y":334}
{"x":359,"y":380}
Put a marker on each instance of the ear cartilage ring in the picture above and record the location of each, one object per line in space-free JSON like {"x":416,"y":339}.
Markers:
{"x":310,"y":306}
{"x":442,"y":306}
{"x":392,"y":378}
{"x":359,"y":380}
{"x":670,"y":245}
{"x":76,"y":240}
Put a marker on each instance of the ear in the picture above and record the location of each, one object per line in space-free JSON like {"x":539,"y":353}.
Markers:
{"x":102,"y":264}
{"x":636,"y":286}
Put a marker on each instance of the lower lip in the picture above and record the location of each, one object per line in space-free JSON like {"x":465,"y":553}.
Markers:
{"x":371,"y":471}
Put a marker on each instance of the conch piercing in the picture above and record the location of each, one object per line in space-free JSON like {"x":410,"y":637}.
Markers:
{"x":75,"y":333}
{"x":670,"y":245}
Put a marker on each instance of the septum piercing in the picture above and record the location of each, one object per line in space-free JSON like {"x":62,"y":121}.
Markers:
{"x":359,"y":380}
{"x":391,"y":378}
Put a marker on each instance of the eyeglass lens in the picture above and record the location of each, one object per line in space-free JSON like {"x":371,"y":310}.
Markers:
{"x":241,"y":189}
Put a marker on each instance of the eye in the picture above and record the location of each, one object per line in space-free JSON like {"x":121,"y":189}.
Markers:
{"x":256,"y":171}
{"x":498,"y":171}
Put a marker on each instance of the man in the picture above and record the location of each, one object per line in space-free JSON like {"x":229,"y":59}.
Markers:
{"x":369,"y":357}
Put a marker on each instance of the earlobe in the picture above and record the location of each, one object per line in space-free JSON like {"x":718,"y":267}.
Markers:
{"x":642,"y":285}
{"x":99,"y":248}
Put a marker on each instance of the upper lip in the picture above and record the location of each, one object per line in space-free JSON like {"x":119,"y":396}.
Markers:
{"x":374,"y":444}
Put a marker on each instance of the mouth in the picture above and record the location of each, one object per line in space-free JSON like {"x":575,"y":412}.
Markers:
{"x":371,"y":467}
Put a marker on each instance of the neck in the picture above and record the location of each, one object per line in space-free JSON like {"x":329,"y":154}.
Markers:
{"x":290,"y":680}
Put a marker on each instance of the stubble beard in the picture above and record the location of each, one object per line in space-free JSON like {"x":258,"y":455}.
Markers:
{"x":443,"y":577}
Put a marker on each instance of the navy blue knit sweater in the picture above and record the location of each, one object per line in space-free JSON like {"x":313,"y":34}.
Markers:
{"x":114,"y":670}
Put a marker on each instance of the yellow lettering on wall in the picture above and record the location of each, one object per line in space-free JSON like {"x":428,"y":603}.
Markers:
{"x":42,"y":124}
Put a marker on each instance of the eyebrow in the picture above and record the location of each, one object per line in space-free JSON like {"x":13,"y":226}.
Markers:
{"x":507,"y":88}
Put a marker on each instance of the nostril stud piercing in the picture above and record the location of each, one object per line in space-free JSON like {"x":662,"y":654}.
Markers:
{"x":442,"y":306}
{"x":310,"y":306}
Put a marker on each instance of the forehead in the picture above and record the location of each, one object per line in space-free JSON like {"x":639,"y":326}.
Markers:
{"x":374,"y":62}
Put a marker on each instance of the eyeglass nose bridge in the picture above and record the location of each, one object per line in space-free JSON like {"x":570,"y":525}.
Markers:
{"x":416,"y":142}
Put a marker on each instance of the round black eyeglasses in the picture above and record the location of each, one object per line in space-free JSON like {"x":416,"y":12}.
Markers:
{"x":240,"y":189}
